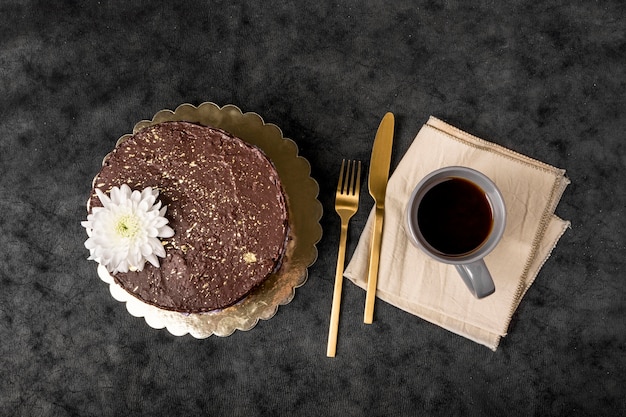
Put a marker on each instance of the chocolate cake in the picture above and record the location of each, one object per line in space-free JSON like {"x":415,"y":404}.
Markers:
{"x":225,"y":203}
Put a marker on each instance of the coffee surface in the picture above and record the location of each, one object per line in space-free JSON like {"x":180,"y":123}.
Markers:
{"x":455,"y":217}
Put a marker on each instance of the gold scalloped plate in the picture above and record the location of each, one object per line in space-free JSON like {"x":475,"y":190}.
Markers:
{"x":305,"y":212}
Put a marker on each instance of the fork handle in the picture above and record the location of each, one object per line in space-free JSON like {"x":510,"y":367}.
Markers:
{"x":334,"y":313}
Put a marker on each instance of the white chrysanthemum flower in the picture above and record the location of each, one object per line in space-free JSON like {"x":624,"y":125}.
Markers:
{"x":125,"y":232}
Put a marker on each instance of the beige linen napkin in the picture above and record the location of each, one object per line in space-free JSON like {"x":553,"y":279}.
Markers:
{"x":412,"y":281}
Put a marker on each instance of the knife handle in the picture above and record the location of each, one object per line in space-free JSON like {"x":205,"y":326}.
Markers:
{"x":372,"y":277}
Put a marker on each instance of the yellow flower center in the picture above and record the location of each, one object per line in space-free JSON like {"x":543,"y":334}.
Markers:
{"x":127,"y":226}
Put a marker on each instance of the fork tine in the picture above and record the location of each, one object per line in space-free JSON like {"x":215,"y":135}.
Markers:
{"x":351,"y":185}
{"x":340,"y":182}
{"x":349,"y":178}
{"x":357,"y":184}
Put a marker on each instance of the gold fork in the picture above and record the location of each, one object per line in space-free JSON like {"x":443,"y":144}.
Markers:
{"x":346,"y":204}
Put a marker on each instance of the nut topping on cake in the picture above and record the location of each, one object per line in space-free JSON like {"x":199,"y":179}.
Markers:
{"x":225,"y":204}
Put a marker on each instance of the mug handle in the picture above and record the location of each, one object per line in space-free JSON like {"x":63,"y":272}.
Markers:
{"x":477,"y":278}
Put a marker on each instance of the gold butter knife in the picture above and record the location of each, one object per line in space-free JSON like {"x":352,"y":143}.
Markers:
{"x":377,"y":183}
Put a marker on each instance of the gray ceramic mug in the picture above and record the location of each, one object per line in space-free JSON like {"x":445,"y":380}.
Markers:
{"x":468,"y":261}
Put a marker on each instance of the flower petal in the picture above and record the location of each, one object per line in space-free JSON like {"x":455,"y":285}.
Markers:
{"x":124,"y":233}
{"x":166,"y":232}
{"x":153,"y":260}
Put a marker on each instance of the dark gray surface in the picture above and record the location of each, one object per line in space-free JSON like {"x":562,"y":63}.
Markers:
{"x":543,"y":78}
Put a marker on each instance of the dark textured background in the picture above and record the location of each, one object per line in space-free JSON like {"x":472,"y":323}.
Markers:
{"x":545,"y":78}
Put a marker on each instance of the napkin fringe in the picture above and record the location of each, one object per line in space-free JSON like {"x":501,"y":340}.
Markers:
{"x":452,"y":324}
{"x":555,"y":194}
{"x":483,"y":144}
{"x":566,"y":224}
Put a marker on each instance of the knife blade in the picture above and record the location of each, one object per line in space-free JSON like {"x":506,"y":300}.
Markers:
{"x":377,"y":183}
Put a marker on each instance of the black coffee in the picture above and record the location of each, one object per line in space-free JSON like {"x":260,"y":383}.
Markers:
{"x":455,"y":216}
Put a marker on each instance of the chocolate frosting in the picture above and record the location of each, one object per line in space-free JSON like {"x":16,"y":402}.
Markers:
{"x":225,"y":203}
